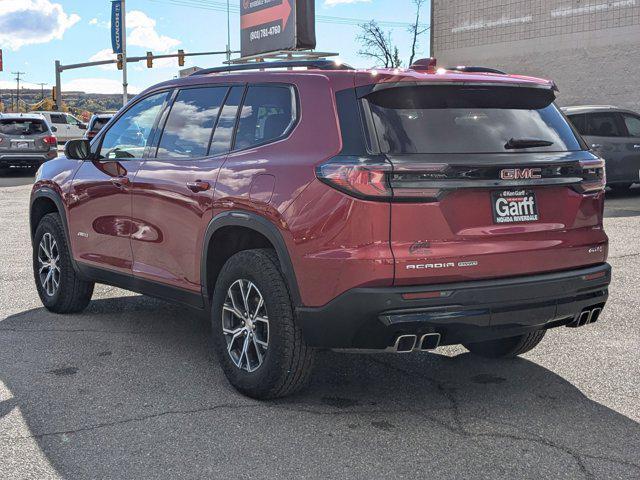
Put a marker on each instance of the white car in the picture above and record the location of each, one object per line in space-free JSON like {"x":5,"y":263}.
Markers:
{"x":67,"y":126}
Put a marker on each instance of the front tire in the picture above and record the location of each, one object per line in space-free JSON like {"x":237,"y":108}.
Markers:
{"x":507,"y":347}
{"x":59,"y":287}
{"x":255,"y":336}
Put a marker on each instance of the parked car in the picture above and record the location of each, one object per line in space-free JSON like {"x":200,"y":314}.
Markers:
{"x":97,"y":122}
{"x":26,"y":140}
{"x":614,"y":134}
{"x":68,"y":126}
{"x":370,"y":210}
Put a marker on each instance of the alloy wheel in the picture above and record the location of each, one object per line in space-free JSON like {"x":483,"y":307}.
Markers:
{"x":49,"y":264}
{"x":245,"y":325}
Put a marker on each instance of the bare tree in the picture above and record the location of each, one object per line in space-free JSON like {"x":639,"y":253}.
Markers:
{"x":377,"y":44}
{"x":416,"y":29}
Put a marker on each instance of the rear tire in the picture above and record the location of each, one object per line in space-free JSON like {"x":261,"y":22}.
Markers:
{"x":258,"y":343}
{"x":620,"y":187}
{"x":59,"y":287}
{"x":507,"y":347}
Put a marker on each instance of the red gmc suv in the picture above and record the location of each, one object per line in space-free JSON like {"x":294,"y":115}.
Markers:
{"x":327,"y":207}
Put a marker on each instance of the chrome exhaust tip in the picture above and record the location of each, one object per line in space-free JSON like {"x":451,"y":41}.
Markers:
{"x":430,"y":341}
{"x":595,"y":314}
{"x":405,"y":343}
{"x":585,"y":318}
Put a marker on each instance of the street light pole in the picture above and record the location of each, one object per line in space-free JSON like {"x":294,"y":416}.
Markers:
{"x":125,"y":84}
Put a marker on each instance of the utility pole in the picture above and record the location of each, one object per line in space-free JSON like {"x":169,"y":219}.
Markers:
{"x":42,"y":85}
{"x":228,"y":33}
{"x":18,"y":74}
{"x":125,"y":84}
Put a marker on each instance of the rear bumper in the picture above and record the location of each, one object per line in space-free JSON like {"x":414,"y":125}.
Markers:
{"x":373,"y":318}
{"x":26,"y":159}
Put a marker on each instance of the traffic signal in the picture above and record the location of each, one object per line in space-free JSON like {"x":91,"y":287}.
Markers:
{"x":181,"y":58}
{"x":54,"y":94}
{"x":149,"y":59}
{"x":120,"y":63}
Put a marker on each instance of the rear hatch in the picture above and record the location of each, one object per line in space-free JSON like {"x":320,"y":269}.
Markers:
{"x":486,"y":181}
{"x":23,"y":135}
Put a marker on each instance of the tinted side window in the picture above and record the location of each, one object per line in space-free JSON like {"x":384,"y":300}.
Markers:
{"x":190,"y":124}
{"x":580,"y":122}
{"x":128,"y":137}
{"x":602,"y":125}
{"x":633,"y":124}
{"x":60,"y":119}
{"x":267,"y":113}
{"x":223,"y":135}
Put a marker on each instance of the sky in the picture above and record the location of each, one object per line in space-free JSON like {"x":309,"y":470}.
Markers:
{"x":35,"y":33}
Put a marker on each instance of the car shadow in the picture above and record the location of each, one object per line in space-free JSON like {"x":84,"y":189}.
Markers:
{"x":129,"y":389}
{"x":15,"y":177}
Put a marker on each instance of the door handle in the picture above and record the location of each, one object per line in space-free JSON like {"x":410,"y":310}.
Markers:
{"x":198,"y":186}
{"x":636,"y":146}
{"x":121,"y":182}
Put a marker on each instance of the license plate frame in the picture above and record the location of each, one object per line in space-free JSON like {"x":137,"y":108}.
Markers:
{"x":513,"y":206}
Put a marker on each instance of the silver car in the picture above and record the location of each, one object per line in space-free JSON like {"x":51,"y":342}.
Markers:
{"x":26,"y":140}
{"x":614,"y":134}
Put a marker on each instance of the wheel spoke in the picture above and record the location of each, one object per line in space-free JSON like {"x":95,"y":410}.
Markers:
{"x":232,"y":310}
{"x":245,"y":296}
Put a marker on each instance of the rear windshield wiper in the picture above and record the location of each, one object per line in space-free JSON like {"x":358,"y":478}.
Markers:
{"x":517,"y":143}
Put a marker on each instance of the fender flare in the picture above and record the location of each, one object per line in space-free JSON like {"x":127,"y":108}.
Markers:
{"x":50,"y":194}
{"x":260,"y":225}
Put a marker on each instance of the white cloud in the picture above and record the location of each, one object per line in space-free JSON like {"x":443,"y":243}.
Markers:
{"x":142,"y":33}
{"x":332,"y":3}
{"x":93,"y":21}
{"x":28,"y":22}
{"x":96,"y":85}
{"x":106,"y":54}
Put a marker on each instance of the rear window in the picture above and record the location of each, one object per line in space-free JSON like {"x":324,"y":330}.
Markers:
{"x":461,"y":119}
{"x":22,"y":127}
{"x":99,"y":124}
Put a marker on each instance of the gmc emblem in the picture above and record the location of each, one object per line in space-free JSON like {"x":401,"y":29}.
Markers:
{"x":520,"y":173}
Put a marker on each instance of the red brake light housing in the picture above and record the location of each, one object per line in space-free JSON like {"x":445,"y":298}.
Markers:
{"x":594,"y":176}
{"x":365,"y":178}
{"x":51,"y":140}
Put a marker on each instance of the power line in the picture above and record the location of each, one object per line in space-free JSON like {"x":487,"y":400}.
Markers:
{"x":18,"y":74}
{"x":329,"y":19}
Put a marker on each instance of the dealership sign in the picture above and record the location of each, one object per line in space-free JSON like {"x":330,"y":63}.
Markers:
{"x":274,"y":25}
{"x":116,"y":26}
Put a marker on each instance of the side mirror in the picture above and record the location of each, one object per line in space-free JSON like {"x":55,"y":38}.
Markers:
{"x":54,"y":129}
{"x":82,"y":126}
{"x":78,"y":149}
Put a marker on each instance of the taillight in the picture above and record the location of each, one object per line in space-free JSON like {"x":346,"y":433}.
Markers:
{"x":51,"y":140}
{"x":361,"y":177}
{"x":91,"y":135}
{"x":594,"y":176}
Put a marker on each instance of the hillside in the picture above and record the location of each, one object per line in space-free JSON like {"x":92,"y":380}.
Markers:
{"x":75,"y":102}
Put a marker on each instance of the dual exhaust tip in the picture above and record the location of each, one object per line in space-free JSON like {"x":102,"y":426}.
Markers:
{"x":411,"y":343}
{"x":586,"y":317}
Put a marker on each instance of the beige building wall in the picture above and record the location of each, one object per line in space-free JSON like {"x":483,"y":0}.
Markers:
{"x":591,"y":48}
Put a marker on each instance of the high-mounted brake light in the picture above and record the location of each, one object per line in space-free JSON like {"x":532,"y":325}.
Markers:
{"x":364,"y":178}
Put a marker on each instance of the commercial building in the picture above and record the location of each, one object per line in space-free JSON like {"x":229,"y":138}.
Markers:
{"x":591,"y":48}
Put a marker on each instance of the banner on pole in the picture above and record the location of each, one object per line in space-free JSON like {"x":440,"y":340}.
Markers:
{"x":273,"y":25}
{"x":116,"y":26}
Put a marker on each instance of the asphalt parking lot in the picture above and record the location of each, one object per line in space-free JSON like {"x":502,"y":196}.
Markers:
{"x":129,"y":389}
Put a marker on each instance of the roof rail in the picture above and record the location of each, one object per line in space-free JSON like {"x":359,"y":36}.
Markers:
{"x":462,"y":68}
{"x":310,"y":64}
